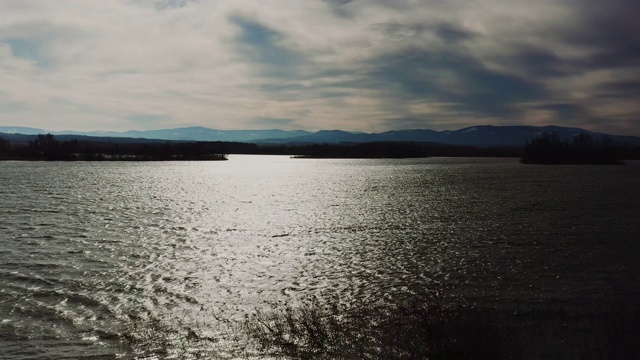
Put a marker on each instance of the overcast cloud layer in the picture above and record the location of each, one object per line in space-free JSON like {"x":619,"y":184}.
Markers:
{"x":368,"y":65}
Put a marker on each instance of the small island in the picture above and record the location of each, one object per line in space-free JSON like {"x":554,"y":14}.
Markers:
{"x":551,"y":149}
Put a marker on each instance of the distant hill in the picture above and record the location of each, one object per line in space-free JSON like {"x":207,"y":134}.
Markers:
{"x":24,"y":138}
{"x":196,"y":133}
{"x":482,"y":135}
{"x":21,"y":130}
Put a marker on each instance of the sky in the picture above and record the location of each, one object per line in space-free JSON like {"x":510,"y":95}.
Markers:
{"x":360,"y":65}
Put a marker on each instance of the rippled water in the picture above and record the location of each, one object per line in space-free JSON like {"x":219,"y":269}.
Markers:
{"x":84,"y":244}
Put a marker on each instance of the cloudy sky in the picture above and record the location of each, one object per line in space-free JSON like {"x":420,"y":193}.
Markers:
{"x":363,"y":65}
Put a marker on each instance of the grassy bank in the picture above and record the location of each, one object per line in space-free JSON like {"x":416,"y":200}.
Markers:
{"x":425,"y":328}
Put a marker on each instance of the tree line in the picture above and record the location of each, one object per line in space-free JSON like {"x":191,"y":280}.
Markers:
{"x":550,"y":148}
{"x":398,"y":150}
{"x":47,"y":147}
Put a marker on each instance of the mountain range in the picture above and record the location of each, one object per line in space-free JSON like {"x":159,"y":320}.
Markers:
{"x":482,"y":135}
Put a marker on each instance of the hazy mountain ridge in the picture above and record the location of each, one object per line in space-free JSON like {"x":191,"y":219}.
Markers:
{"x":195,"y":133}
{"x":481,"y":135}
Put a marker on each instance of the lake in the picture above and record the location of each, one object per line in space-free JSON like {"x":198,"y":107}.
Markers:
{"x":83,"y":245}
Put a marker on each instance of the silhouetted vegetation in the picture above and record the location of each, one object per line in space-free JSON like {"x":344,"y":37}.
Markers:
{"x":47,"y":147}
{"x":426,"y":327}
{"x":429,"y":329}
{"x":403,"y":150}
{"x":551,"y":149}
{"x":5,"y":148}
{"x":399,"y":150}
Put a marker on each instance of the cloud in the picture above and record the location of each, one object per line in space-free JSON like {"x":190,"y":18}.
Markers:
{"x":263,"y":46}
{"x":455,"y":78}
{"x":352,"y":65}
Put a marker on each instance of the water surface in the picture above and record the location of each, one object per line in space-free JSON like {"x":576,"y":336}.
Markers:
{"x":84,"y":244}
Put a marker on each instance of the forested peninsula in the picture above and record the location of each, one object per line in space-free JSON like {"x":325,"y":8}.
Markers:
{"x":47,"y":147}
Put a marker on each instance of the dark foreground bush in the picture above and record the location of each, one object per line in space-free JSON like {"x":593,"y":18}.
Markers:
{"x":425,"y":328}
{"x":413,"y":330}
